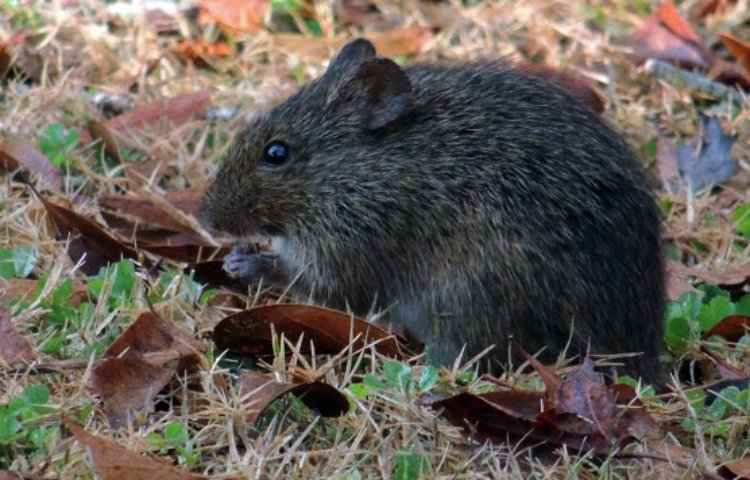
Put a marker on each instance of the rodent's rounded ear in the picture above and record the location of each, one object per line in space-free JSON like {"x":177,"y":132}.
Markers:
{"x":351,"y":56}
{"x":388,"y":91}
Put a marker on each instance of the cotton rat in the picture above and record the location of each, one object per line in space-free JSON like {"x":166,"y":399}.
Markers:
{"x":472,"y":203}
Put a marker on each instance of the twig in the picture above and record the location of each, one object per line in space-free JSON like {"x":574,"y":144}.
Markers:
{"x":693,"y":80}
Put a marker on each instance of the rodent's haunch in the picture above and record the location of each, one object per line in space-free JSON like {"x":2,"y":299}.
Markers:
{"x":471,"y":202}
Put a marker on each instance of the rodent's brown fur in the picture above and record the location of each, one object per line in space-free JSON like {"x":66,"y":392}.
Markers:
{"x":473,"y":202}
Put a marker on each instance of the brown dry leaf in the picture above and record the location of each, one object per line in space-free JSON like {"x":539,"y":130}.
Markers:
{"x":159,"y":116}
{"x":6,"y":59}
{"x":145,"y":209}
{"x":14,"y":288}
{"x":87,"y":239}
{"x":492,"y":416}
{"x":99,"y":131}
{"x":245,"y":16}
{"x":134,"y":367}
{"x":199,"y":52}
{"x":667,"y":36}
{"x":150,"y":333}
{"x":115,"y":462}
{"x":398,"y":42}
{"x":187,"y":253}
{"x":187,"y":201}
{"x":14,"y":348}
{"x":585,"y":395}
{"x":709,"y":7}
{"x":250,"y":332}
{"x":212,"y":273}
{"x":579,"y":87}
{"x":737,"y":469}
{"x":550,"y":379}
{"x":264,"y":390}
{"x":20,"y":155}
{"x":738,"y":48}
{"x":731,"y":328}
{"x":126,"y":385}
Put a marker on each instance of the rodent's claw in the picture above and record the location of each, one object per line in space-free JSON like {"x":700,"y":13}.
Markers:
{"x":250,"y":267}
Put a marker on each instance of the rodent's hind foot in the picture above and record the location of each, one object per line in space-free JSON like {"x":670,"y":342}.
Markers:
{"x":250,"y":268}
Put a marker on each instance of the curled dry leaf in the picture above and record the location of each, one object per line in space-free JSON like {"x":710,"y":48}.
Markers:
{"x":20,"y":155}
{"x":667,"y":36}
{"x":99,"y":131}
{"x":250,"y":332}
{"x":187,"y":201}
{"x":87,"y":239}
{"x":14,"y":348}
{"x":260,"y":390}
{"x":734,"y":278}
{"x":115,"y":462}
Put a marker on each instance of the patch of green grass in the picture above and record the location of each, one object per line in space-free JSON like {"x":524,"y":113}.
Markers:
{"x":57,"y":142}
{"x":18,"y":262}
{"x":24,"y":430}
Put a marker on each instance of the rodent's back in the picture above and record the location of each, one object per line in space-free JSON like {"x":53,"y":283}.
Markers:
{"x":551,"y":219}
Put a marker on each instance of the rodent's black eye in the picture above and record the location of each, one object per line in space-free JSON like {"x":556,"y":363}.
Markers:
{"x":275,"y":154}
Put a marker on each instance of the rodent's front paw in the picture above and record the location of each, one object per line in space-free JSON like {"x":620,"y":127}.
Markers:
{"x":250,"y":267}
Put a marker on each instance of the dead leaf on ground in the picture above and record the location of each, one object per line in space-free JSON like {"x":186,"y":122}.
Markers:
{"x":20,"y":155}
{"x":706,"y":161}
{"x":115,"y":462}
{"x":260,"y":390}
{"x":140,"y":363}
{"x":160,"y":116}
{"x":580,"y":413}
{"x":250,"y":332}
{"x":14,"y":348}
{"x":187,"y":201}
{"x":584,"y":394}
{"x":87,"y":239}
{"x":126,"y":385}
{"x":212,"y":274}
{"x":14,"y":288}
{"x":187,"y":253}
{"x":737,"y":469}
{"x":235,"y":16}
{"x":667,"y":36}
{"x":738,"y":48}
{"x":99,"y":131}
{"x":731,"y":328}
{"x":6,"y":59}
{"x":400,"y":42}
